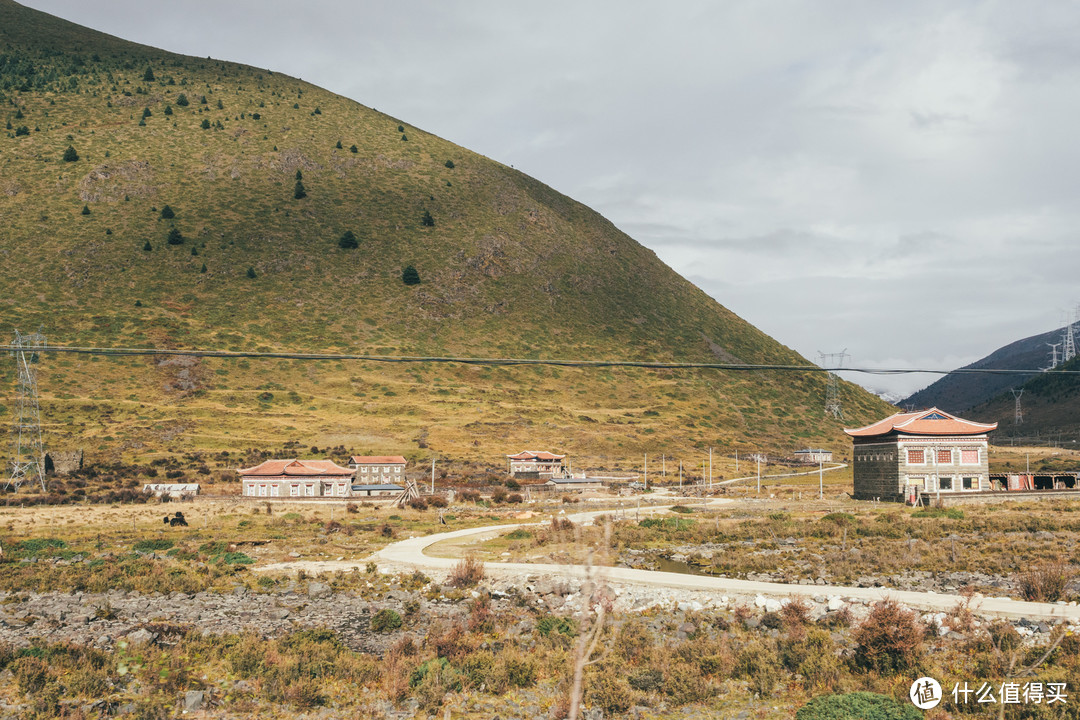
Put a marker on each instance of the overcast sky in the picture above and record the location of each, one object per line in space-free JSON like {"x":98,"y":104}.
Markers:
{"x":897,"y":179}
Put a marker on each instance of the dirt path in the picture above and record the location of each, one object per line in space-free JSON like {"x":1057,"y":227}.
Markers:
{"x":412,"y":553}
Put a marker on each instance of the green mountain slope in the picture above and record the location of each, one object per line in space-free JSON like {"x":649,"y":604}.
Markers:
{"x":957,"y":392}
{"x":1050,"y":409}
{"x":508,"y":267}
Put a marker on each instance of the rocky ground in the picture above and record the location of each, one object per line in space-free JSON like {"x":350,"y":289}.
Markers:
{"x":100,"y":619}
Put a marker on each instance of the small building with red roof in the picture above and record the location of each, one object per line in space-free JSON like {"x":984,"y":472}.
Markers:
{"x":296,"y":478}
{"x":376,"y":469}
{"x":913,"y":454}
{"x":536,"y":465}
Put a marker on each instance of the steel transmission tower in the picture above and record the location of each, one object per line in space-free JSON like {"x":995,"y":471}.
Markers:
{"x":1018,"y":416}
{"x":1053,"y":355}
{"x":28,"y":462}
{"x":1068,"y":340}
{"x":832,"y":389}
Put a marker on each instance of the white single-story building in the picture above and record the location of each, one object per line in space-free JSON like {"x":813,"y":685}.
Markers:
{"x":377,"y":489}
{"x":813,"y":455}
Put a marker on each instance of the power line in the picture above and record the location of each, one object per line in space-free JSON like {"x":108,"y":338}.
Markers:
{"x":497,"y":362}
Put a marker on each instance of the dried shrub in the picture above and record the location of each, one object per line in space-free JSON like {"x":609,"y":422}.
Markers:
{"x":889,"y":640}
{"x":437,"y":501}
{"x":352,"y":508}
{"x":451,"y":641}
{"x":606,"y":687}
{"x":481,"y":618}
{"x":759,"y":664}
{"x":30,"y":673}
{"x":815,"y":657}
{"x":467,"y":573}
{"x":1046,"y":582}
{"x":418,"y":503}
{"x":795,"y":616}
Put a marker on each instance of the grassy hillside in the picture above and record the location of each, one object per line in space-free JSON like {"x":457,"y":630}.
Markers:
{"x":508,"y":267}
{"x":1050,"y":404}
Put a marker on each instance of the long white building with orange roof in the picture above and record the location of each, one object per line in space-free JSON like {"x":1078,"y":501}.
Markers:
{"x":929,"y":452}
{"x":296,"y":478}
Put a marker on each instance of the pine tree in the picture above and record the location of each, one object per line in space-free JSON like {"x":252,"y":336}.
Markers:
{"x":167,"y":213}
{"x":148,"y":76}
{"x":338,"y":146}
{"x":205,"y":124}
{"x":175,"y":238}
{"x":354,"y":149}
{"x":427,"y":220}
{"x":182,"y":100}
{"x":409,"y":276}
{"x":203,"y":268}
{"x":147,"y":246}
{"x":348,"y":240}
{"x":298,"y":191}
{"x":168,"y":110}
{"x":70,"y":155}
{"x":251,"y":273}
{"x":85,"y":209}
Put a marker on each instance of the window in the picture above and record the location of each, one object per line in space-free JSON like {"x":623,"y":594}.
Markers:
{"x":916,"y":457}
{"x":364,"y":469}
{"x":945,"y":483}
{"x":944,"y":457}
{"x":309,"y":490}
{"x":969,"y":456}
{"x":275,"y":490}
{"x":397,"y":470}
{"x":294,"y":490}
{"x":262,"y":491}
{"x":341,"y":490}
{"x":971,"y":483}
{"x":251,"y":489}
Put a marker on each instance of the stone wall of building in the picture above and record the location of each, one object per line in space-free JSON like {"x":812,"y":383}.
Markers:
{"x":877,"y":474}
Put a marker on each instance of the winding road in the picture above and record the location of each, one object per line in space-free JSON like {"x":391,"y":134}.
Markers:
{"x":411,"y":554}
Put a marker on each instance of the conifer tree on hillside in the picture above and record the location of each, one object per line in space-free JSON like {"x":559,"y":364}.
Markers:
{"x":409,"y":276}
{"x":348,"y":240}
{"x":70,"y":155}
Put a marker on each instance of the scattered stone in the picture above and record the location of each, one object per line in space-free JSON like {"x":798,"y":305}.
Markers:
{"x":318,"y":590}
{"x":193,"y":700}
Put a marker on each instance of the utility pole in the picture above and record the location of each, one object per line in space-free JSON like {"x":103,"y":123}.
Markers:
{"x":432,"y":476}
{"x":821,"y":479}
{"x":759,"y":473}
{"x":646,"y":471}
{"x":680,"y":474}
{"x":736,"y":461}
{"x":710,"y":468}
{"x":1018,"y":414}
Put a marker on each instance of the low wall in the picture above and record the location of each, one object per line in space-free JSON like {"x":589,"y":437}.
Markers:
{"x":969,"y":498}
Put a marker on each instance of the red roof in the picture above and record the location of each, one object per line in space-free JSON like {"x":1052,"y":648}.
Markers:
{"x":308,"y":468}
{"x":535,"y":455}
{"x":377,"y":460}
{"x":924,"y":422}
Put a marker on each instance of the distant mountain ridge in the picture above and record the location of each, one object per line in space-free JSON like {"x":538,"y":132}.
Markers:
{"x":957,"y":392}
